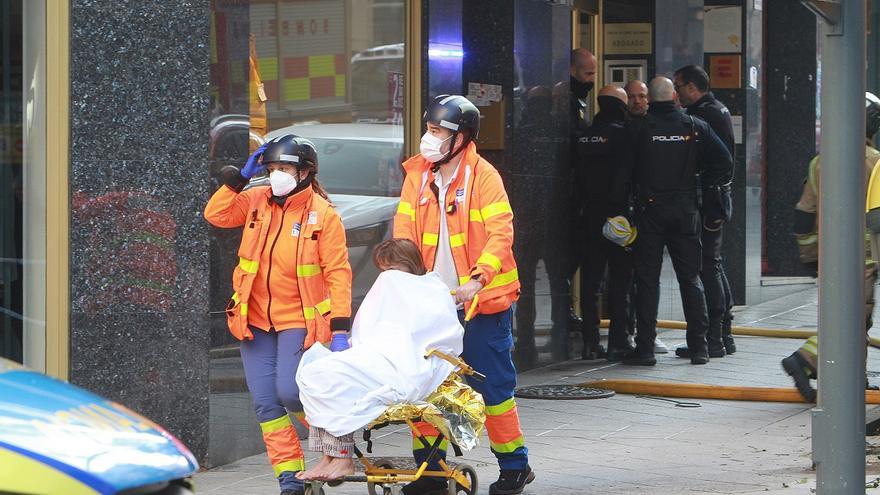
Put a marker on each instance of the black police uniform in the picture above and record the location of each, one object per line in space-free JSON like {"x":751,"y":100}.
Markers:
{"x":671,"y":148}
{"x":719,"y":298}
{"x":601,"y":150}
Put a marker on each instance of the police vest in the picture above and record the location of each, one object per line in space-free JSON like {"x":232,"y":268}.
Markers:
{"x":668,"y":157}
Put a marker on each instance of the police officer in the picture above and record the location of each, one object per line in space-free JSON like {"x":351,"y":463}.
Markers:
{"x":692,"y":85}
{"x":802,"y":364}
{"x":636,"y":98}
{"x":601,"y":150}
{"x":582,"y":70}
{"x":671,"y":148}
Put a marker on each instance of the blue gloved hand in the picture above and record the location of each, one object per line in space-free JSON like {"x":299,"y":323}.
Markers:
{"x":253,"y":165}
{"x":339,"y":342}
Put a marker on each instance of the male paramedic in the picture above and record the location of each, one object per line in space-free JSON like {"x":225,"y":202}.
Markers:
{"x":454,"y":207}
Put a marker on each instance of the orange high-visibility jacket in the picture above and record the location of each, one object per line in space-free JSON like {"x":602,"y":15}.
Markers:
{"x":480,"y":223}
{"x":311,"y":235}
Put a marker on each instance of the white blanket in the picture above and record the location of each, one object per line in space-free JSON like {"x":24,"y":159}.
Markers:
{"x":401,"y":317}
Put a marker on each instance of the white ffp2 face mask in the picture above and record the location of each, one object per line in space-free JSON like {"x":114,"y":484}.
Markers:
{"x":282,"y":183}
{"x":430,"y":147}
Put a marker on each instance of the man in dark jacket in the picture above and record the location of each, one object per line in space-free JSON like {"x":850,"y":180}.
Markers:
{"x":692,"y":85}
{"x":601,"y":150}
{"x":671,"y":150}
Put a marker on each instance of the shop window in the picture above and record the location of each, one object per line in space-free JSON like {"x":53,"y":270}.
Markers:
{"x":331,"y":71}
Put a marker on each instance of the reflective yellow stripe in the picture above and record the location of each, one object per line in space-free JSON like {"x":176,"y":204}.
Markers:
{"x":323,"y":307}
{"x":502,"y":408}
{"x":495,"y":209}
{"x":276,"y":424}
{"x":491,"y":260}
{"x":476,"y":216}
{"x":405,"y":208}
{"x":248,"y":265}
{"x":292,"y":466}
{"x":244,"y":307}
{"x":457,"y":240}
{"x":418,"y":445}
{"x":504,"y":279}
{"x":506,"y":448}
{"x":463,"y":280}
{"x":811,"y":346}
{"x":307,"y":270}
{"x":430,"y":239}
{"x":807,"y":239}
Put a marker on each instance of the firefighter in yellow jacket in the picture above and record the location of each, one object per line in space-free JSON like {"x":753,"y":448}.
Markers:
{"x":454,"y":207}
{"x":802,"y":365}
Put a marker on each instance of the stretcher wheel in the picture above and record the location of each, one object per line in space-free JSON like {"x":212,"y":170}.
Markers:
{"x":469,"y":473}
{"x":314,"y":488}
{"x":372,"y":487}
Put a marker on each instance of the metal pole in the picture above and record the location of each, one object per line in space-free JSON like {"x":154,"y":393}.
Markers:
{"x":839,"y":418}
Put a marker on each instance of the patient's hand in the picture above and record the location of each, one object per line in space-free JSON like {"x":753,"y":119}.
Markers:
{"x":467,"y":291}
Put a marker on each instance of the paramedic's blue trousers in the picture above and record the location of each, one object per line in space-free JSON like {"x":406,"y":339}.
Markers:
{"x":270,"y":363}
{"x":487,"y":344}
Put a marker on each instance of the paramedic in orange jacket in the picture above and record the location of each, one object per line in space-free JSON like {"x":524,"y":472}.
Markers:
{"x":292,"y":285}
{"x":454,"y":207}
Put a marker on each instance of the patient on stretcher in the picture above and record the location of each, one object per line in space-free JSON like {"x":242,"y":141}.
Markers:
{"x":405,"y":313}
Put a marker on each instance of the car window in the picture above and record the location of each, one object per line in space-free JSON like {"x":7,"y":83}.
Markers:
{"x":359,"y":167}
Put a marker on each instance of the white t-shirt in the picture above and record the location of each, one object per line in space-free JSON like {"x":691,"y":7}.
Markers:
{"x":444,"y":264}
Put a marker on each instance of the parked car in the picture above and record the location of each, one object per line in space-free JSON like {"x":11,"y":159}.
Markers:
{"x":56,"y":438}
{"x":360,"y":169}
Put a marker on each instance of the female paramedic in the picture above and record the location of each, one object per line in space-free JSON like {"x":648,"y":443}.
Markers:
{"x":292,"y":285}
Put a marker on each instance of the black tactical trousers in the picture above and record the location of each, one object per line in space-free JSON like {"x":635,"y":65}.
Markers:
{"x":719,"y":299}
{"x":598,"y":253}
{"x":684,"y":249}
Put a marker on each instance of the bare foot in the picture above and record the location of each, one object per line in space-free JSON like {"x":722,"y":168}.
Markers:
{"x":339,"y":468}
{"x":311,"y":474}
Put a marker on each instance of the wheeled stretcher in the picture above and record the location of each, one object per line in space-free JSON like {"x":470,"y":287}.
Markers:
{"x":458,"y":413}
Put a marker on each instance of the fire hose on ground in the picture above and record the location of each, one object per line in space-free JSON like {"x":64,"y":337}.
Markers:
{"x":720,"y":392}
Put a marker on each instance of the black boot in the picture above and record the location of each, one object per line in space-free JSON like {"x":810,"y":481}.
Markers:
{"x":636,"y":358}
{"x":592,"y":351}
{"x":800,"y":371}
{"x":512,"y":481}
{"x":682,"y":351}
{"x":727,"y":333}
{"x":713,"y":338}
{"x":426,"y":485}
{"x":615,"y":354}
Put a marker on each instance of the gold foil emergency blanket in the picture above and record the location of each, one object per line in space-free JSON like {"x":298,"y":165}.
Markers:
{"x":454,"y":408}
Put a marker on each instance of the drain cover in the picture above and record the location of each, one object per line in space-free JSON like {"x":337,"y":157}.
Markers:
{"x":562,"y":392}
{"x":872,"y":374}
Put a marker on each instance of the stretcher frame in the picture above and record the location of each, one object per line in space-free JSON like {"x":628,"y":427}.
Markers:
{"x":381,"y":474}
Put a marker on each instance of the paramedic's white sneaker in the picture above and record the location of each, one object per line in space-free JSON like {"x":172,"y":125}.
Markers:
{"x":660,"y":347}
